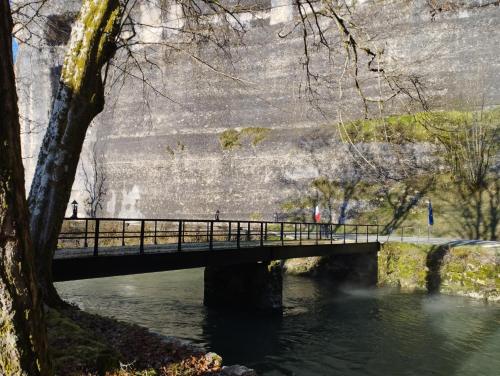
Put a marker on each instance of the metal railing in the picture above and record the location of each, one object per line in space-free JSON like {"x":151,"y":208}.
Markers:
{"x":403,"y":233}
{"x":189,"y":234}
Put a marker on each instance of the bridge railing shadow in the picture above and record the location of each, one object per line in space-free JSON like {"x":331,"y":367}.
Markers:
{"x":132,"y":234}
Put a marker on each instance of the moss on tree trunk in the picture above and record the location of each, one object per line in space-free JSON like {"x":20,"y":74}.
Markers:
{"x":79,"y":99}
{"x":23,"y":337}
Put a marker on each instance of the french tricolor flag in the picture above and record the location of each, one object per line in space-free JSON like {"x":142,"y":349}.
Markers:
{"x":317,"y":214}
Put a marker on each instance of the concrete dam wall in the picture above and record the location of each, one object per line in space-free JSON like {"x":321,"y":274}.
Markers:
{"x":165,"y":145}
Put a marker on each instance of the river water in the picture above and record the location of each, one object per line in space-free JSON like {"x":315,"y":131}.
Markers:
{"x":322,"y":331}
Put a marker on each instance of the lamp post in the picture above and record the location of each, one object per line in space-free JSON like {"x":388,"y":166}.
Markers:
{"x":75,"y":209}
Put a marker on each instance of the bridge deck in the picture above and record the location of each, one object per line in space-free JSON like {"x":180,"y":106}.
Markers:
{"x":160,"y":258}
{"x":91,"y":248}
{"x":188,"y":247}
{"x":156,"y":260}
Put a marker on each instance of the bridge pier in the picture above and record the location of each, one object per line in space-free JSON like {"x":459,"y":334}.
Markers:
{"x":349,"y":269}
{"x":250,"y":287}
{"x":357,"y":270}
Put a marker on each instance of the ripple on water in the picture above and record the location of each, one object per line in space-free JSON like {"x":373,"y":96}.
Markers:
{"x":323,"y":331}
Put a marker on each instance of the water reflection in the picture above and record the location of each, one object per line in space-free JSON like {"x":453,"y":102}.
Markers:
{"x":323,"y":330}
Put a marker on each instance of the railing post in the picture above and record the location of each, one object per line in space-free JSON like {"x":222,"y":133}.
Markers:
{"x":141,"y":247}
{"x":320,"y":235}
{"x":249,"y":237}
{"x":265,"y":236}
{"x":229,"y":232}
{"x":331,"y":233}
{"x":356,"y":233}
{"x":308,"y":231}
{"x":367,"y":233}
{"x":281,"y":234}
{"x":300,"y":233}
{"x":96,"y":238}
{"x":238,"y":230}
{"x":208,"y":232}
{"x":211,"y":238}
{"x":183,"y":232}
{"x":402,"y":232}
{"x":155,"y":232}
{"x":123,"y":234}
{"x":344,"y":232}
{"x":85,"y":243}
{"x":377,"y":233}
{"x":261,"y":234}
{"x":295,"y":232}
{"x":316,"y":234}
{"x":179,"y":236}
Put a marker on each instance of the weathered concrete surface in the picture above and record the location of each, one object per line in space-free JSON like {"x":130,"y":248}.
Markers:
{"x":251,"y":287}
{"x":165,"y":158}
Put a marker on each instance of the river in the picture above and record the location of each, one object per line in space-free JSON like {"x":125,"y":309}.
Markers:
{"x":323,"y":331}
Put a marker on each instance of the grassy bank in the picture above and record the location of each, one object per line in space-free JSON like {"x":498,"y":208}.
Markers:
{"x":465,"y":270}
{"x":457,"y":270}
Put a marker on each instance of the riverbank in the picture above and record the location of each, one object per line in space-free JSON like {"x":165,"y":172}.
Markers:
{"x":453,"y":269}
{"x":84,"y":344}
{"x":170,"y":303}
{"x":323,"y":330}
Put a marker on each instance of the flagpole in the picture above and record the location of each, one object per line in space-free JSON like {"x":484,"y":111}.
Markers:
{"x":430,"y":219}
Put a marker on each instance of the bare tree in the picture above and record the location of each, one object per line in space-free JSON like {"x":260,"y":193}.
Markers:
{"x":94,"y":180}
{"x":470,"y":144}
{"x":341,"y":192}
{"x":101,"y":29}
{"x":23,"y":343}
{"x":79,"y":99}
{"x":104,"y":49}
{"x":402,"y":197}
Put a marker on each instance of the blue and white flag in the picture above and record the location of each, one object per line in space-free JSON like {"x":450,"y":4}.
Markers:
{"x":431,"y":216}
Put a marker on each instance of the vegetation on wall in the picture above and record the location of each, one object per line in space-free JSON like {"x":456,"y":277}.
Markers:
{"x":231,"y":138}
{"x":256,"y":134}
{"x":397,"y":129}
{"x":462,"y":182}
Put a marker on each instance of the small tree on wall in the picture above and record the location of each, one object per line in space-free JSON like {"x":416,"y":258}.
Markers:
{"x":94,"y":181}
{"x":470,"y":145}
{"x":338,"y":191}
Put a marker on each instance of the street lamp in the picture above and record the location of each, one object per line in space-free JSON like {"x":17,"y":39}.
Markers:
{"x":75,"y":209}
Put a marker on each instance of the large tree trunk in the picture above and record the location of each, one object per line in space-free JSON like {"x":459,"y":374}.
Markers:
{"x":23,"y":337}
{"x":79,"y":99}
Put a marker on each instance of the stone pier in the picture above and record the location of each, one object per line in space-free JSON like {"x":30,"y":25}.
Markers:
{"x":354,"y":269}
{"x":249,"y":287}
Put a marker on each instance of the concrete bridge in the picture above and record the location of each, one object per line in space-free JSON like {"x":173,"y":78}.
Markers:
{"x":239,"y":256}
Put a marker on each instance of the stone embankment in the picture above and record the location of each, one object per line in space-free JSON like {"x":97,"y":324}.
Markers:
{"x":465,"y":270}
